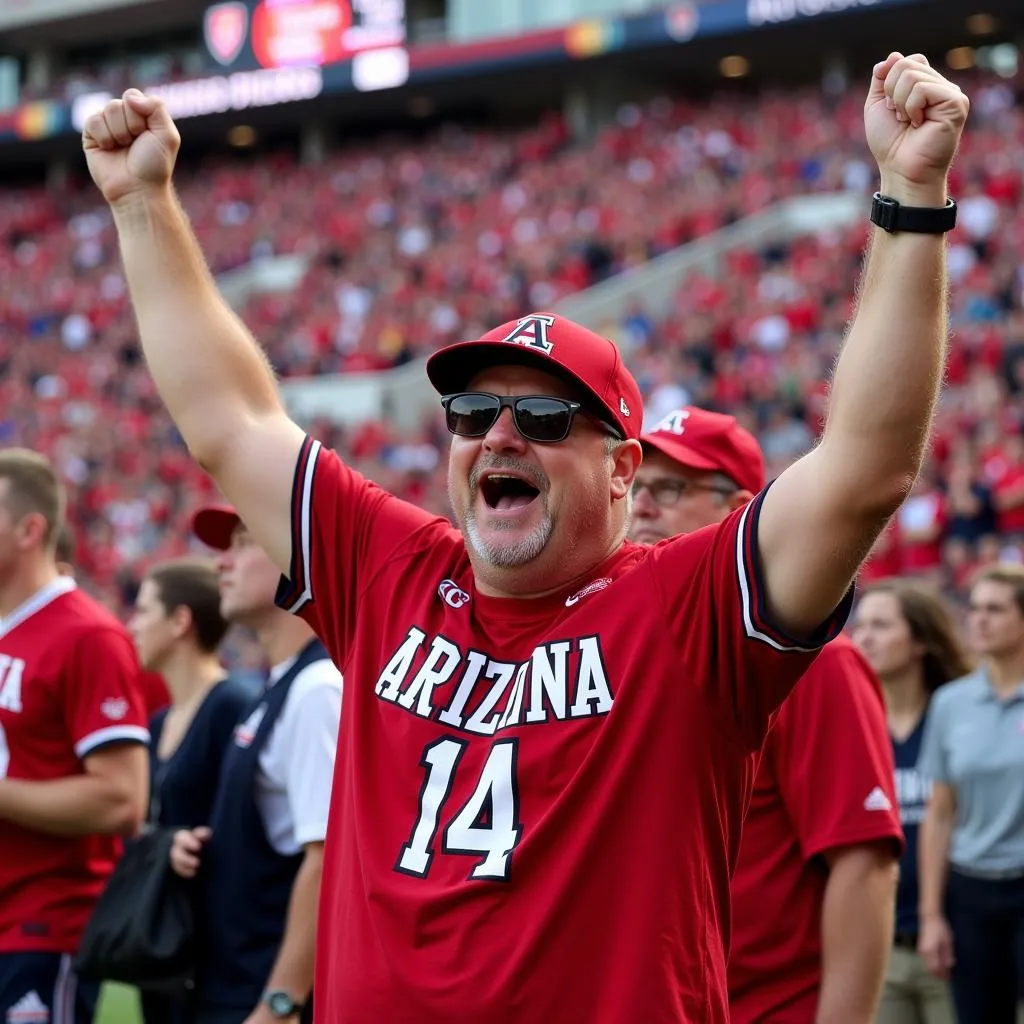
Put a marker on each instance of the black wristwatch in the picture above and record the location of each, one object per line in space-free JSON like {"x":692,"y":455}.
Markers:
{"x":891,"y":216}
{"x":280,"y":1004}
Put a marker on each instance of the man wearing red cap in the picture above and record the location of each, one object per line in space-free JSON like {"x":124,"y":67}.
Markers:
{"x":813,"y":889}
{"x":549,"y":734}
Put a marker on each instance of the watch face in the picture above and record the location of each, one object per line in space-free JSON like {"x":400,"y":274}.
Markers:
{"x":281,"y":1004}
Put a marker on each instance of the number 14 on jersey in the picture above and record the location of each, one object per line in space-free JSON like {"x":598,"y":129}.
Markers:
{"x":486,"y":826}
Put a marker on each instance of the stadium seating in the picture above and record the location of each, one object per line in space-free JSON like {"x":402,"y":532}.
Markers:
{"x":413,"y":242}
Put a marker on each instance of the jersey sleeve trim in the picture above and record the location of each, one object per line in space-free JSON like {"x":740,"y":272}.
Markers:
{"x":756,"y":620}
{"x":112,"y":734}
{"x":295,"y":591}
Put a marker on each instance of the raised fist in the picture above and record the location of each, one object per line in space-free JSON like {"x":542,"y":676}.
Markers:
{"x":913,"y":118}
{"x":130,"y":146}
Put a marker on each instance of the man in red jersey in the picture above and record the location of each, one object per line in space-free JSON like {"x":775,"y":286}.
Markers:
{"x":545,"y":750}
{"x":73,"y":766}
{"x":812,"y":896}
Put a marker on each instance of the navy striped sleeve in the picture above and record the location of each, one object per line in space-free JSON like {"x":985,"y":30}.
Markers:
{"x":756,"y":619}
{"x":295,"y":590}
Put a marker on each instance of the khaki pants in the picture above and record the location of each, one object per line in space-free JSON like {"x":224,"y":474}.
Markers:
{"x":912,"y":995}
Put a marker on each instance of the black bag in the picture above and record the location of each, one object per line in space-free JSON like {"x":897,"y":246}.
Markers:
{"x":142,"y":930}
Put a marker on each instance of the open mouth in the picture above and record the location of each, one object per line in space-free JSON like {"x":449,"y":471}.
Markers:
{"x":505,"y":491}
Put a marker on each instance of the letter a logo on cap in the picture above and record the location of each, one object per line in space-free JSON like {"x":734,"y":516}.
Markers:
{"x":225,"y":27}
{"x":532,"y":331}
{"x":674,"y":422}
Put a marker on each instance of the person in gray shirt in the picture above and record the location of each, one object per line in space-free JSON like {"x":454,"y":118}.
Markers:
{"x":907,"y":633}
{"x":971,"y":846}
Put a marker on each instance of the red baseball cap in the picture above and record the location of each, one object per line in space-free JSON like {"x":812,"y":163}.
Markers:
{"x":557,"y":346}
{"x":710,"y":441}
{"x":214,"y":525}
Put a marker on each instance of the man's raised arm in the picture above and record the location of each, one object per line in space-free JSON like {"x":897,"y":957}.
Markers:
{"x":211,"y":374}
{"x":820,"y":518}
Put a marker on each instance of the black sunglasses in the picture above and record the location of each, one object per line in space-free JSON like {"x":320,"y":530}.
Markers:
{"x":540,"y":418}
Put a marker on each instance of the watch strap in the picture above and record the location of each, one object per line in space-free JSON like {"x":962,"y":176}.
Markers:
{"x":892,"y":216}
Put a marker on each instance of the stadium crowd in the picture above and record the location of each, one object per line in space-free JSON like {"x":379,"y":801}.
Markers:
{"x":415,"y":242}
{"x":412,"y":245}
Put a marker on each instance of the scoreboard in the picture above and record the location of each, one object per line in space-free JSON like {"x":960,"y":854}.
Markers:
{"x":250,"y":34}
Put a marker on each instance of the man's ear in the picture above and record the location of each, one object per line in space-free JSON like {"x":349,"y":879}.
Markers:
{"x":30,"y":530}
{"x":626,"y":460}
{"x":181,"y":620}
{"x":738,"y":499}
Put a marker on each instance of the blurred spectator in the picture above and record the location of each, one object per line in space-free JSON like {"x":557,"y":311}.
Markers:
{"x":413,"y":241}
{"x":72,"y":755}
{"x":921,"y":522}
{"x":885,"y":559}
{"x":262,"y":854}
{"x":908,"y":636}
{"x":1008,"y":490}
{"x":177,"y":628}
{"x":972,"y":838}
{"x":812,"y":886}
{"x":969,"y":512}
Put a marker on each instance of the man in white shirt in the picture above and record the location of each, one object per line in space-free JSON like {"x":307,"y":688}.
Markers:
{"x":260,"y":863}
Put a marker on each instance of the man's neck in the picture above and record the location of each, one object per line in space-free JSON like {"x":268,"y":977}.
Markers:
{"x":905,"y":701}
{"x":282,"y":636}
{"x":30,"y":577}
{"x":189,"y":673}
{"x":1006,"y":673}
{"x":532,"y":581}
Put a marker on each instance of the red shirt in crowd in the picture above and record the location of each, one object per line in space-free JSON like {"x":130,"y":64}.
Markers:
{"x":1008,"y":498}
{"x":69,"y":686}
{"x":921,"y":520}
{"x":826,"y":779}
{"x":537,"y":804}
{"x":886,"y":558}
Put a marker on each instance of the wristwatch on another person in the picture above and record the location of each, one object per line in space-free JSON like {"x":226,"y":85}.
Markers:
{"x":281,"y":1004}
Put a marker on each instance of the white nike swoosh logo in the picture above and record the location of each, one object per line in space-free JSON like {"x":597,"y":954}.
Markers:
{"x":570,"y":601}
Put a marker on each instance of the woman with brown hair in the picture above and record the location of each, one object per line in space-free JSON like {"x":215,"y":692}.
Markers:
{"x":177,"y":627}
{"x":907,"y":633}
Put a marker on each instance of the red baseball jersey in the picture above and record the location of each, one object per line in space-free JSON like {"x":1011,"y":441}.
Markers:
{"x":537,"y":804}
{"x":826,"y":779}
{"x":69,"y":685}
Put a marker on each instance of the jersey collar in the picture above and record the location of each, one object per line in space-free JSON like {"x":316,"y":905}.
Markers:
{"x":39,"y":600}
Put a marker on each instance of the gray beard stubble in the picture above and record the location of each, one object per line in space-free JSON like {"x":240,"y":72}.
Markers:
{"x":514,"y":553}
